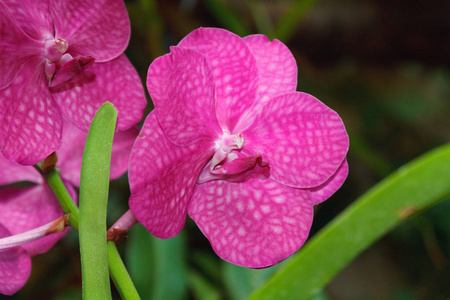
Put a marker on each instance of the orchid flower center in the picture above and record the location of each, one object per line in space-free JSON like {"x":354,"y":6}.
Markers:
{"x":224,"y":147}
{"x":55,"y":54}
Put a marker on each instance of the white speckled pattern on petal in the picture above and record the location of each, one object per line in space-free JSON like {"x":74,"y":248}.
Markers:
{"x":256,"y":223}
{"x":234,"y":69}
{"x":13,"y":38}
{"x":115,"y":81}
{"x":29,"y":117}
{"x":99,"y":28}
{"x":15,"y":267}
{"x":182,"y":88}
{"x":32,"y":16}
{"x":277,"y":68}
{"x":303,"y":140}
{"x":327,"y":189}
{"x":162,"y":177}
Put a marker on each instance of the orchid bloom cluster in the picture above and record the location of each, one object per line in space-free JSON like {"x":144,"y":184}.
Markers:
{"x":25,"y":208}
{"x":232,"y":144}
{"x":62,"y":59}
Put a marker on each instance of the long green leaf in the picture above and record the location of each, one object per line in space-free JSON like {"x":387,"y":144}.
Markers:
{"x":288,"y":23}
{"x":411,"y":189}
{"x":94,"y":185}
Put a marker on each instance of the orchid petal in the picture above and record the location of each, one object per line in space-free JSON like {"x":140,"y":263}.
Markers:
{"x":11,"y":172}
{"x":327,"y":189}
{"x":29,"y":117}
{"x":115,"y":81}
{"x":16,"y":48}
{"x":256,"y":223}
{"x":32,"y":16}
{"x":234,"y":69}
{"x":303,"y":140}
{"x":162,"y":177}
{"x":277,"y":69}
{"x":23,"y":209}
{"x":71,"y":152}
{"x":181,"y":87}
{"x":15,"y":267}
{"x":96,"y":28}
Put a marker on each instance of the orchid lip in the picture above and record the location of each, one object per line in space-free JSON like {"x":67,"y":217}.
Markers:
{"x":227,"y":143}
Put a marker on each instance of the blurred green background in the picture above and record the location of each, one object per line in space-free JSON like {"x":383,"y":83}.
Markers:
{"x":382,"y":65}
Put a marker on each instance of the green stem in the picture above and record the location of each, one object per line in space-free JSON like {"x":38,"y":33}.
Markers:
{"x":94,"y":186}
{"x":65,"y":200}
{"x":119,"y":274}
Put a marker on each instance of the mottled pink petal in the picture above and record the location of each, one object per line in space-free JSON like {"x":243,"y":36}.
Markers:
{"x":303,"y":140}
{"x":23,"y":209}
{"x":327,"y":189}
{"x":71,"y":152}
{"x":11,"y":172}
{"x":15,"y":267}
{"x":98,"y":28}
{"x":16,"y":48}
{"x":277,"y":68}
{"x":115,"y":81}
{"x":29,"y":118}
{"x":32,"y":16}
{"x":162,"y":177}
{"x":256,"y":223}
{"x":234,"y":69}
{"x":182,"y":89}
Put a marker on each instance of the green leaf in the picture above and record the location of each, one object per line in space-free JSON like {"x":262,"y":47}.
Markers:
{"x":240,"y":281}
{"x":157,"y":266}
{"x":170,"y":268}
{"x":408,"y":191}
{"x":94,"y":185}
{"x":288,"y":23}
{"x":227,"y":17}
{"x":139,"y":254}
{"x":203,"y":290}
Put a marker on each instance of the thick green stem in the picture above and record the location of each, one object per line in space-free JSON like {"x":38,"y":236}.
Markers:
{"x":94,"y":186}
{"x":119,"y":274}
{"x":65,"y":200}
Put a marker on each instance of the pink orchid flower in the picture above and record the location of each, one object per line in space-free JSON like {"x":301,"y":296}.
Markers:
{"x":232,"y":144}
{"x":62,"y":58}
{"x":26,"y":208}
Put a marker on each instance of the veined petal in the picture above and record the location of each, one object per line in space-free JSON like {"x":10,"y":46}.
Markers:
{"x":234,"y":69}
{"x":15,"y":267}
{"x":115,"y":81}
{"x":32,"y":16}
{"x":162,"y":177}
{"x":277,"y":68}
{"x":98,"y":28}
{"x":29,"y":117}
{"x":23,"y":209}
{"x":303,"y":140}
{"x":71,"y":152}
{"x":182,"y":88}
{"x":327,"y":189}
{"x":11,"y":172}
{"x":16,"y":48}
{"x":256,"y":223}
